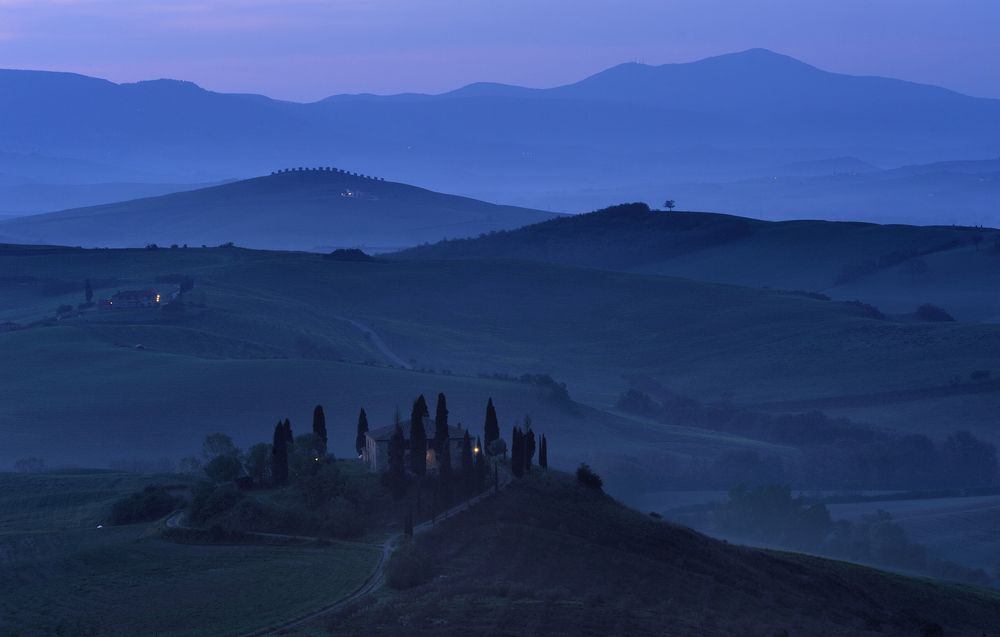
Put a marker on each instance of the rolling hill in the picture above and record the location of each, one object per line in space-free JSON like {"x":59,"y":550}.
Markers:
{"x":631,"y":128}
{"x":299,"y":210}
{"x":895,"y":267}
{"x":301,"y":329}
{"x":564,"y":560}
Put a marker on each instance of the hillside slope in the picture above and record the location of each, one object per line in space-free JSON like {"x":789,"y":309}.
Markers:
{"x":896,"y":267}
{"x":549,"y":557}
{"x":286,"y":324}
{"x":300,"y":210}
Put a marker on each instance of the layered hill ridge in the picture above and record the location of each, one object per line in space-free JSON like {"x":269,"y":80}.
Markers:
{"x":632,"y":126}
{"x":311,"y":209}
{"x":896,"y":267}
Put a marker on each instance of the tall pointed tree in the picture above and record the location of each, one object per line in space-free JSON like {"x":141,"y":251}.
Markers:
{"x":418,"y":438}
{"x":440,"y":424}
{"x":397,"y":459}
{"x":289,"y":438}
{"x":279,"y":455}
{"x":422,"y":405}
{"x":319,"y":427}
{"x":359,"y":438}
{"x":529,"y":446}
{"x":492,"y":426}
{"x":468,"y":468}
{"x":543,"y":453}
{"x":516,"y":453}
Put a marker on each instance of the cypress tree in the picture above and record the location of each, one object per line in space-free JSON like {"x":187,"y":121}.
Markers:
{"x":422,"y":405}
{"x":516,"y":453}
{"x":289,"y":438}
{"x":445,"y":474}
{"x":418,"y":439}
{"x":319,"y":426}
{"x":88,"y":292}
{"x":359,"y":439}
{"x":440,"y":424}
{"x":492,"y":427}
{"x":397,"y":468}
{"x":543,"y":453}
{"x":468,"y":469}
{"x":279,"y":455}
{"x":529,"y":449}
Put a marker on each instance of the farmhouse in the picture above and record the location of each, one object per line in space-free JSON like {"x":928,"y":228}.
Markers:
{"x":130,"y":299}
{"x":376,"y":452}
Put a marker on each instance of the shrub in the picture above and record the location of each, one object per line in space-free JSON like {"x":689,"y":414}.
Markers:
{"x":408,"y":567}
{"x":143,"y":506}
{"x":210,"y":501}
{"x":223,"y":468}
{"x":586,"y":476}
{"x":929,"y":312}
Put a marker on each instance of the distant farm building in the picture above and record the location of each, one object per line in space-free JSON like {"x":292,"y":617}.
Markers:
{"x":376,"y":452}
{"x":8,"y":326}
{"x":127,"y":299}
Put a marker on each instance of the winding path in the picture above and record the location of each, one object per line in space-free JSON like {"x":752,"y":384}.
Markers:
{"x":377,"y":341}
{"x":374,"y":581}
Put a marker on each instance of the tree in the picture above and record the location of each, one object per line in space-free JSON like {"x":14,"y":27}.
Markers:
{"x":218,"y":444}
{"x":279,"y":455}
{"x":468,"y":468}
{"x":359,"y":439}
{"x":517,"y":453}
{"x":543,"y":453}
{"x":418,"y":438}
{"x":529,"y":444}
{"x":586,"y":477}
{"x":445,"y":474}
{"x":670,"y":204}
{"x":258,"y":463}
{"x":223,"y":468}
{"x":397,"y":460}
{"x":492,"y":427}
{"x":319,"y":426}
{"x":289,"y":438}
{"x":88,"y":292}
{"x":440,"y":424}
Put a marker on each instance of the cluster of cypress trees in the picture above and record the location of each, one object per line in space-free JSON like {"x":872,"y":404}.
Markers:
{"x":523,"y":445}
{"x":359,"y":439}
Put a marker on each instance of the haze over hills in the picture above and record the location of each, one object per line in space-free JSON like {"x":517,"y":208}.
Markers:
{"x":298,"y":210}
{"x":633,"y":128}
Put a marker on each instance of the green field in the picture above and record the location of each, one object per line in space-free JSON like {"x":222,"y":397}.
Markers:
{"x":65,"y":576}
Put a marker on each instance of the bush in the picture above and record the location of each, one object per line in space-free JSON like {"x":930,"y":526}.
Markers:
{"x":929,"y":312}
{"x":586,"y":476}
{"x":223,"y":468}
{"x":408,"y":567}
{"x":151,"y":503}
{"x":210,"y":501}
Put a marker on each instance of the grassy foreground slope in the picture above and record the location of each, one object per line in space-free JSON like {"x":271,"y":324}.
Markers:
{"x":302,"y":210}
{"x":263,"y":336}
{"x":549,"y":557}
{"x":896,"y":267}
{"x":65,"y":575}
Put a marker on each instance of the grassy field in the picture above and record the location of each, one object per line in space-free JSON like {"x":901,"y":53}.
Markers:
{"x":65,"y":576}
{"x":264,"y":337}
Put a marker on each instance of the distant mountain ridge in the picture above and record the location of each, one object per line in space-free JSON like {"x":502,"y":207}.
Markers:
{"x":301,"y":209}
{"x":632,"y":127}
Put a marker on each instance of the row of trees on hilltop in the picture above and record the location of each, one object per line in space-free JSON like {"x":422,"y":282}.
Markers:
{"x":325,"y":169}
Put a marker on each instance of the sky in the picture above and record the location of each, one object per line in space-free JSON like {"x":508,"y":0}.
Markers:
{"x":305,"y":50}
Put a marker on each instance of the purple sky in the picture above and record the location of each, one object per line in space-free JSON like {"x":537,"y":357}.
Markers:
{"x":308,"y":49}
